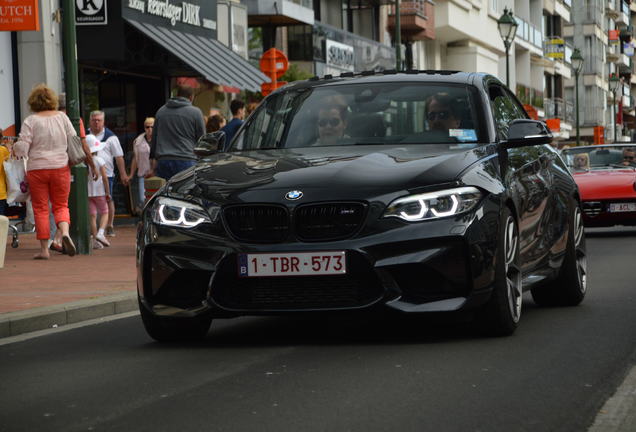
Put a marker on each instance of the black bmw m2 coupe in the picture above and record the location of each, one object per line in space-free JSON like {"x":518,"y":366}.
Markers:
{"x":420,"y":192}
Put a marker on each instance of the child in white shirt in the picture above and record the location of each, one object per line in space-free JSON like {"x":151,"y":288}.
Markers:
{"x":98,"y":195}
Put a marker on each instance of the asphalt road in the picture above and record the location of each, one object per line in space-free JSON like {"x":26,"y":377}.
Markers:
{"x":338,"y":374}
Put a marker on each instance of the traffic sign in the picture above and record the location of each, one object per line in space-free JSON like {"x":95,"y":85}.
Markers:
{"x":274,"y":64}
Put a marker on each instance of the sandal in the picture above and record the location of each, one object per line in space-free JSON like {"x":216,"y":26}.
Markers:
{"x":57,"y":248}
{"x":68,"y":245}
{"x":40,"y":257}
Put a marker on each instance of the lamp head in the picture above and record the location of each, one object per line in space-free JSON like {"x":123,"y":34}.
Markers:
{"x":577,"y":61}
{"x":614,"y":82}
{"x":507,"y":26}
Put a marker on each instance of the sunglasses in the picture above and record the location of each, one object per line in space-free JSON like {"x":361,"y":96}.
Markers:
{"x":148,"y":127}
{"x":333,"y":122}
{"x":628,"y":157}
{"x":438,"y":115}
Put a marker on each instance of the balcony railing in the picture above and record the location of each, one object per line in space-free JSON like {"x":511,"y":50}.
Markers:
{"x":529,"y":33}
{"x":559,"y":108}
{"x":410,"y":8}
{"x":555,"y":47}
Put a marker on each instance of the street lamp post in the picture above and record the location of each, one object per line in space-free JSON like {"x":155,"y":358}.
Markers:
{"x":614,"y":82}
{"x":398,"y":37}
{"x":507,"y":26}
{"x":577,"y":64}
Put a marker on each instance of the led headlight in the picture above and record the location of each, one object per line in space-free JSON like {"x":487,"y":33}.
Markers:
{"x":177,"y":213}
{"x":434,"y":205}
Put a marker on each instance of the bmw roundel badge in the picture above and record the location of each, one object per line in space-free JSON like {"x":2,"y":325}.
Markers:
{"x":294,"y":195}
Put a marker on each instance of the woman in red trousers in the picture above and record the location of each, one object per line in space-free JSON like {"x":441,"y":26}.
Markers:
{"x":43,"y":140}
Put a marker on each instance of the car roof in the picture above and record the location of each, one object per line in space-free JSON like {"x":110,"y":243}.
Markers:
{"x":388,"y":76}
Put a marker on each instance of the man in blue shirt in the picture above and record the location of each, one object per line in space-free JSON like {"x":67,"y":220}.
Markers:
{"x":238,"y":114}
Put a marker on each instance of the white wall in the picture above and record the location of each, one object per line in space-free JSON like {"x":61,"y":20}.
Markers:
{"x":40,"y":55}
{"x":7,"y":113}
{"x":472,"y":58}
{"x":522,"y":63}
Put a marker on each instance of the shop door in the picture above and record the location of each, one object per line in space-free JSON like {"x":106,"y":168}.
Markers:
{"x":126,"y":101}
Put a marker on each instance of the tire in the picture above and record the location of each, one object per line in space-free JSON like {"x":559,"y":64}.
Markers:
{"x":500,"y":316}
{"x":169,"y":329}
{"x":569,"y":288}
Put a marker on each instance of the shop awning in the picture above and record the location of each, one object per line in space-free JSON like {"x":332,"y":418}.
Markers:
{"x":213,"y":60}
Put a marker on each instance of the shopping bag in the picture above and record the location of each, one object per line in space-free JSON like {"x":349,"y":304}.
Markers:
{"x":74,"y":150}
{"x":17,"y":187}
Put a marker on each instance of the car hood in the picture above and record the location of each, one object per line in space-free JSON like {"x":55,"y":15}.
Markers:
{"x":325,"y":173}
{"x":604,"y":184}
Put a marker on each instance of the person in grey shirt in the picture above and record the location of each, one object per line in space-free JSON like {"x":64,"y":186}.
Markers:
{"x":178,"y":126}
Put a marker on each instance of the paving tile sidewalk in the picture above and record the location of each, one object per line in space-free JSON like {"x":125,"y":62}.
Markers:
{"x":37,"y":294}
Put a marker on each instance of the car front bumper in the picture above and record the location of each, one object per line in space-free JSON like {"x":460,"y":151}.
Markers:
{"x":432,"y":266}
{"x":596,"y":213}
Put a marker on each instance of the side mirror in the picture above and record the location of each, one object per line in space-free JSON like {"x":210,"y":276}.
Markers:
{"x":209,"y":144}
{"x":524,"y":132}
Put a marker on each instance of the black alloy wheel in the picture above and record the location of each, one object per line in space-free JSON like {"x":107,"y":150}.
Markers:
{"x":571,"y":285}
{"x":501,"y":315}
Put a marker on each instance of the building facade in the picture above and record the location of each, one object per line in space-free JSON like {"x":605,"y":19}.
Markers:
{"x":602,"y":30}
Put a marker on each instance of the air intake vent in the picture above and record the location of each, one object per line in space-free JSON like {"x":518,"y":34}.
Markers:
{"x":258,"y":223}
{"x":328,"y":221}
{"x":592,"y":208}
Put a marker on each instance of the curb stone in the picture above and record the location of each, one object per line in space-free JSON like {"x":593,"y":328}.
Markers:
{"x":20,"y":322}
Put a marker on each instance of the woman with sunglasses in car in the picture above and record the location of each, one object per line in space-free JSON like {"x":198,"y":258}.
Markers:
{"x":332,"y":123}
{"x":141,"y":159}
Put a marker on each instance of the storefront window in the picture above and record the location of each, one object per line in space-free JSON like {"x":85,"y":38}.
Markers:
{"x":300,"y":42}
{"x":126,"y":101}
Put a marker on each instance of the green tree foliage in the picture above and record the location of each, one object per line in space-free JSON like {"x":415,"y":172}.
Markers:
{"x":294,"y":73}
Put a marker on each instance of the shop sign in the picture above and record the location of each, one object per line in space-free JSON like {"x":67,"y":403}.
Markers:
{"x":180,"y":15}
{"x":340,"y":55}
{"x":367,"y":54}
{"x":19,"y":15}
{"x":628,"y":49}
{"x":91,"y":12}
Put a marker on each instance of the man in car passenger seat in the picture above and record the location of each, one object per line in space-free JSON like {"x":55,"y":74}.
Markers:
{"x":629,"y":157}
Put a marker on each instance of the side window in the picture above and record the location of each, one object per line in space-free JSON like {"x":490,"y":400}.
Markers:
{"x":505,"y":109}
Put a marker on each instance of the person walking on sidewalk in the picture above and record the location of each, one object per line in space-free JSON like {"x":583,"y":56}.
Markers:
{"x":111,"y":152}
{"x":98,"y":195}
{"x":5,"y":151}
{"x":56,"y":239}
{"x":141,"y":158}
{"x":178,"y":127}
{"x":43,"y":140}
{"x":237,"y":108}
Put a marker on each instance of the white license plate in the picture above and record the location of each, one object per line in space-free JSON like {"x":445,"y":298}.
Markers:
{"x":292,"y":264}
{"x":622,"y":207}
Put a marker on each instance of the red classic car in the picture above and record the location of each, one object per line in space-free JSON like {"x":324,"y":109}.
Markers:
{"x":606,"y":176}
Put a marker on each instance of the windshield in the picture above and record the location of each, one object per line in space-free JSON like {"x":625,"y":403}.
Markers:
{"x":365,"y":114}
{"x":605,"y":157}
